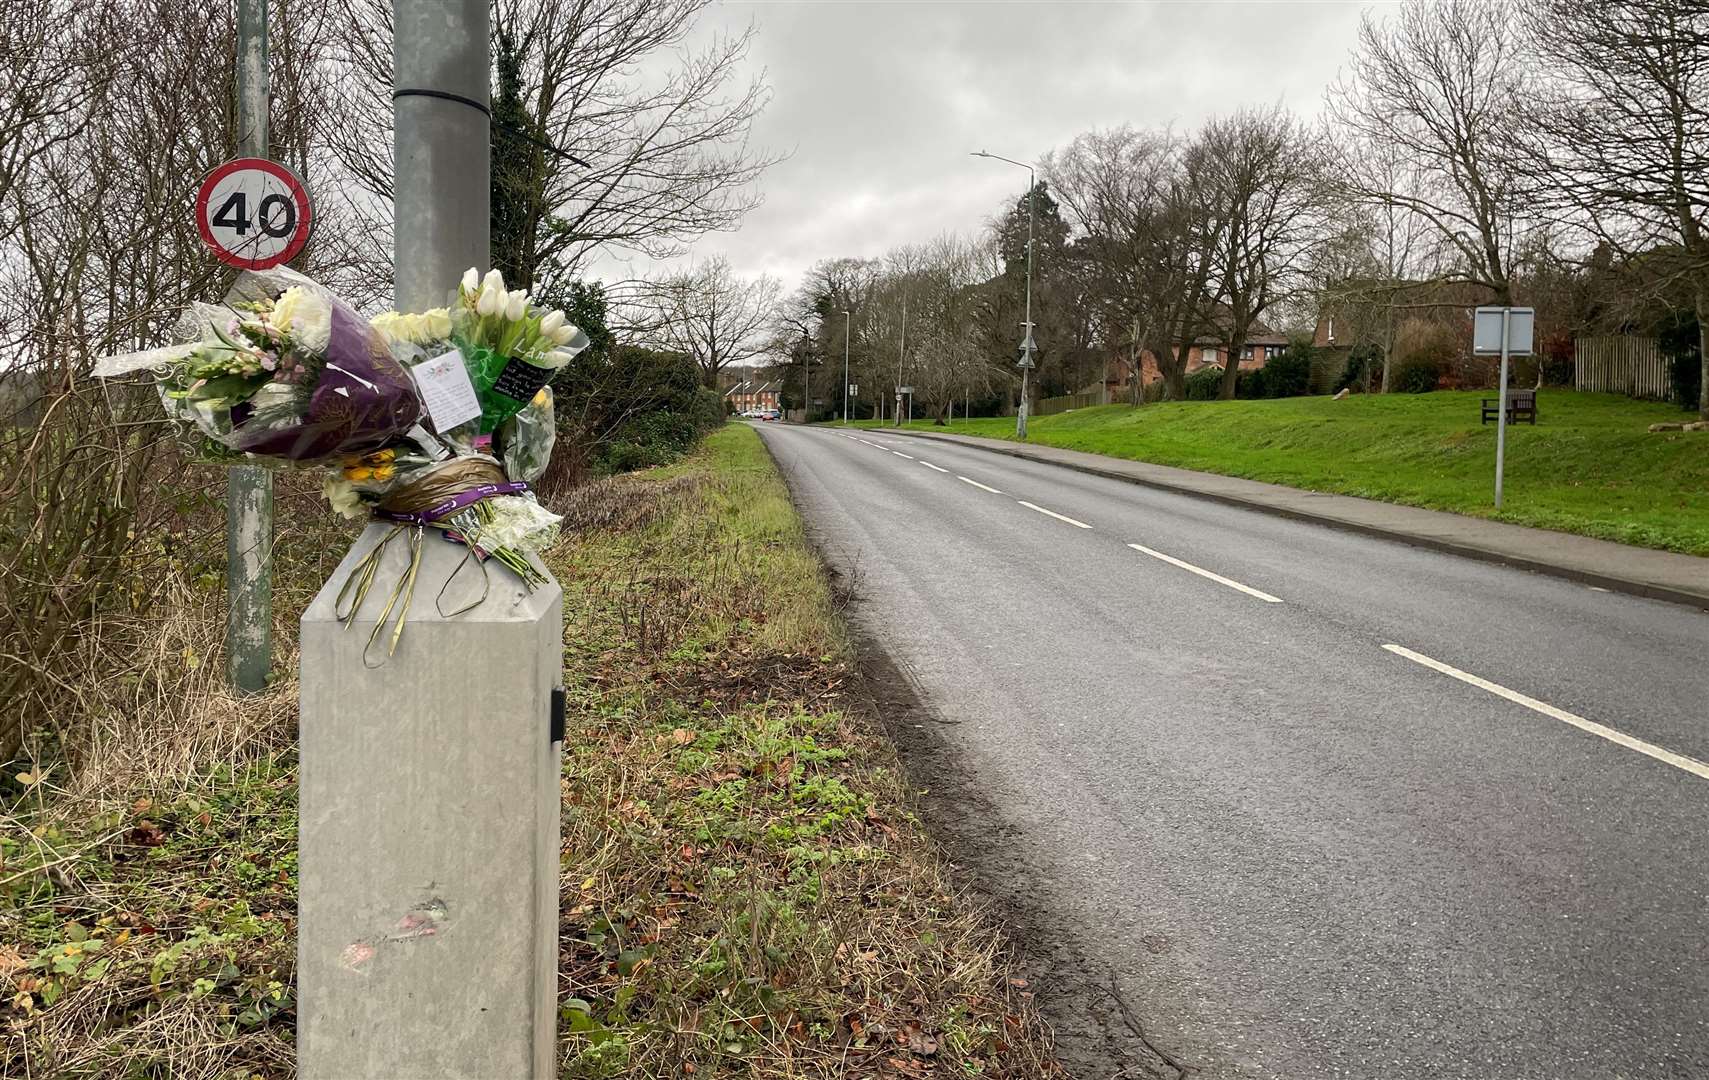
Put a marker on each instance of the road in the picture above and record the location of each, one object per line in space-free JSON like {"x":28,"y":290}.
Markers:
{"x":1326,"y":805}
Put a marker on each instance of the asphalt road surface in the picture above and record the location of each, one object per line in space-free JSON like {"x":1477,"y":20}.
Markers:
{"x":1328,"y":805}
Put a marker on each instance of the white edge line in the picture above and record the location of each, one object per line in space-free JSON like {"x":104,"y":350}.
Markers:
{"x":929,"y":465}
{"x":1054,"y":514}
{"x":977,"y":484}
{"x":1202,"y":572}
{"x":1619,"y":738}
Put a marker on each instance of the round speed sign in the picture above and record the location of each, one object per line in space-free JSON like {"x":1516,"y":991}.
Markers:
{"x":254,"y":213}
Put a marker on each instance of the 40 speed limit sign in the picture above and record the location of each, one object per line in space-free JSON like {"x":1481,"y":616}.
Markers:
{"x":254,"y":213}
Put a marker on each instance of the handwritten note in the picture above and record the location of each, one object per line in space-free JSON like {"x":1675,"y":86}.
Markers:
{"x":446,"y":391}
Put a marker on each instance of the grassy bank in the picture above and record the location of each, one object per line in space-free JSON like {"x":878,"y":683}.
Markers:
{"x":1590,"y":465}
{"x":745,"y":889}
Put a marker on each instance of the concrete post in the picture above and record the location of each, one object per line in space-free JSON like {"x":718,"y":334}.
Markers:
{"x":428,"y":864}
{"x":427,"y":944}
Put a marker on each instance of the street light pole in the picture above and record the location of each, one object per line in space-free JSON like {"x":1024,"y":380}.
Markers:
{"x":1028,"y":345}
{"x":901,"y":358}
{"x":806,"y":375}
{"x":848,"y":320}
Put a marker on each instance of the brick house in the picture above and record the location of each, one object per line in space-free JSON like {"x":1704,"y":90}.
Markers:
{"x":748,"y":394}
{"x":1261,"y":346}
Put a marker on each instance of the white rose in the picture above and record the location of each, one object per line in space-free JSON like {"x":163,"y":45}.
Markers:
{"x":436,"y":324}
{"x":311,"y":323}
{"x":391,"y":325}
{"x":285,"y":308}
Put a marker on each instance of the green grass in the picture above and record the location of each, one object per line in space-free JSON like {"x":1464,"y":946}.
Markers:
{"x":1590,"y":466}
{"x":747,"y":892}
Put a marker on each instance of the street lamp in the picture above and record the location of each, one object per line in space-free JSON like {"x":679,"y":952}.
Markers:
{"x":806,"y":376}
{"x":1028,"y":345}
{"x":848,"y":320}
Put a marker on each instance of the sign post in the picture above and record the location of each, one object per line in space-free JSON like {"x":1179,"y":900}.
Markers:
{"x":249,"y":489}
{"x":1506,"y":331}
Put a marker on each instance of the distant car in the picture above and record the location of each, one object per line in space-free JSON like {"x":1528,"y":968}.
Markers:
{"x":770,"y":414}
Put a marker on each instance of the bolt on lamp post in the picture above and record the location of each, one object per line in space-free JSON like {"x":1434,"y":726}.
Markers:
{"x":1028,"y":346}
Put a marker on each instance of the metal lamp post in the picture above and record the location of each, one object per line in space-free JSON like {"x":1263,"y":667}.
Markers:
{"x":1028,"y":345}
{"x":848,"y":320}
{"x":806,"y":376}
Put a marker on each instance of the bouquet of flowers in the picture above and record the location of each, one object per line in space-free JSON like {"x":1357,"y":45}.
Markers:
{"x":437,"y":419}
{"x":284,"y":371}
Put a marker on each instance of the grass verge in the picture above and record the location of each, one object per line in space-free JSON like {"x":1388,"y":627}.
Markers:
{"x":746,"y":891}
{"x":1589,"y":466}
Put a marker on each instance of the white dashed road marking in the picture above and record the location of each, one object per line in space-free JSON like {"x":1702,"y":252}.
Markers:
{"x":1052,"y":513}
{"x":899,"y":453}
{"x":929,"y":465}
{"x":1619,"y":738}
{"x":978,"y":485}
{"x":1202,"y":572}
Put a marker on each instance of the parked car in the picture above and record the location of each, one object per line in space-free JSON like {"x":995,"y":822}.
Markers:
{"x":770,"y":414}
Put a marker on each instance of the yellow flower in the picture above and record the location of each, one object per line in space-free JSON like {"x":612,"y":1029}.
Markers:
{"x":357,"y":472}
{"x":379,"y":457}
{"x":383,"y":473}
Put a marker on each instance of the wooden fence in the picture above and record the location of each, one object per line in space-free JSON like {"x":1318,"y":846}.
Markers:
{"x":1621,"y":364}
{"x":1083,"y":400}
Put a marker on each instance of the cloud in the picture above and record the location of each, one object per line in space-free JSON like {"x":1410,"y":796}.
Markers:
{"x":880,"y":104}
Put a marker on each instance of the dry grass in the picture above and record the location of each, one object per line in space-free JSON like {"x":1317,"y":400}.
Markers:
{"x":746,"y":891}
{"x":148,"y":839}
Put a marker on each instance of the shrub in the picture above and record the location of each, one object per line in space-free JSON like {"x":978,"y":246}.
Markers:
{"x":1557,"y":360}
{"x":1288,"y":375}
{"x":1418,"y":375}
{"x":1425,"y":352}
{"x":1679,"y":341}
{"x":1204,"y":384}
{"x":1361,"y":362}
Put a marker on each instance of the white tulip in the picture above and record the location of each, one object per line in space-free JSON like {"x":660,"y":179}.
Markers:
{"x":471,"y":280}
{"x":488,"y":302}
{"x":550,"y":323}
{"x":494,"y":281}
{"x":557,"y":358}
{"x":571,"y":337}
{"x":516,"y":306}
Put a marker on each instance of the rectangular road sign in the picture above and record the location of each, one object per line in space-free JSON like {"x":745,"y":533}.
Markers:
{"x":1486,"y":330}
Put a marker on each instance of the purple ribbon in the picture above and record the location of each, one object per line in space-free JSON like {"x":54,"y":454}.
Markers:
{"x":453,"y":504}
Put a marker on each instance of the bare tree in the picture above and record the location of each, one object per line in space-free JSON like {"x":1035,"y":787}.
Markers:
{"x":604,"y":144}
{"x":711,"y":314}
{"x":1624,"y":120}
{"x":1140,"y":199}
{"x":1265,"y":190}
{"x":1384,"y":256}
{"x":1439,"y":85}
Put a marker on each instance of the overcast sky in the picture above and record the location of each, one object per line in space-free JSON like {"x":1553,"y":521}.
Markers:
{"x":879,"y":103}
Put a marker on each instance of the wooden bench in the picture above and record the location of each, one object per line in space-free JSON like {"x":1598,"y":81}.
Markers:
{"x":1521,"y":405}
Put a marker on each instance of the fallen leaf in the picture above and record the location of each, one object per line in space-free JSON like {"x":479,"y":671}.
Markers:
{"x":682,"y":736}
{"x":920,"y":1043}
